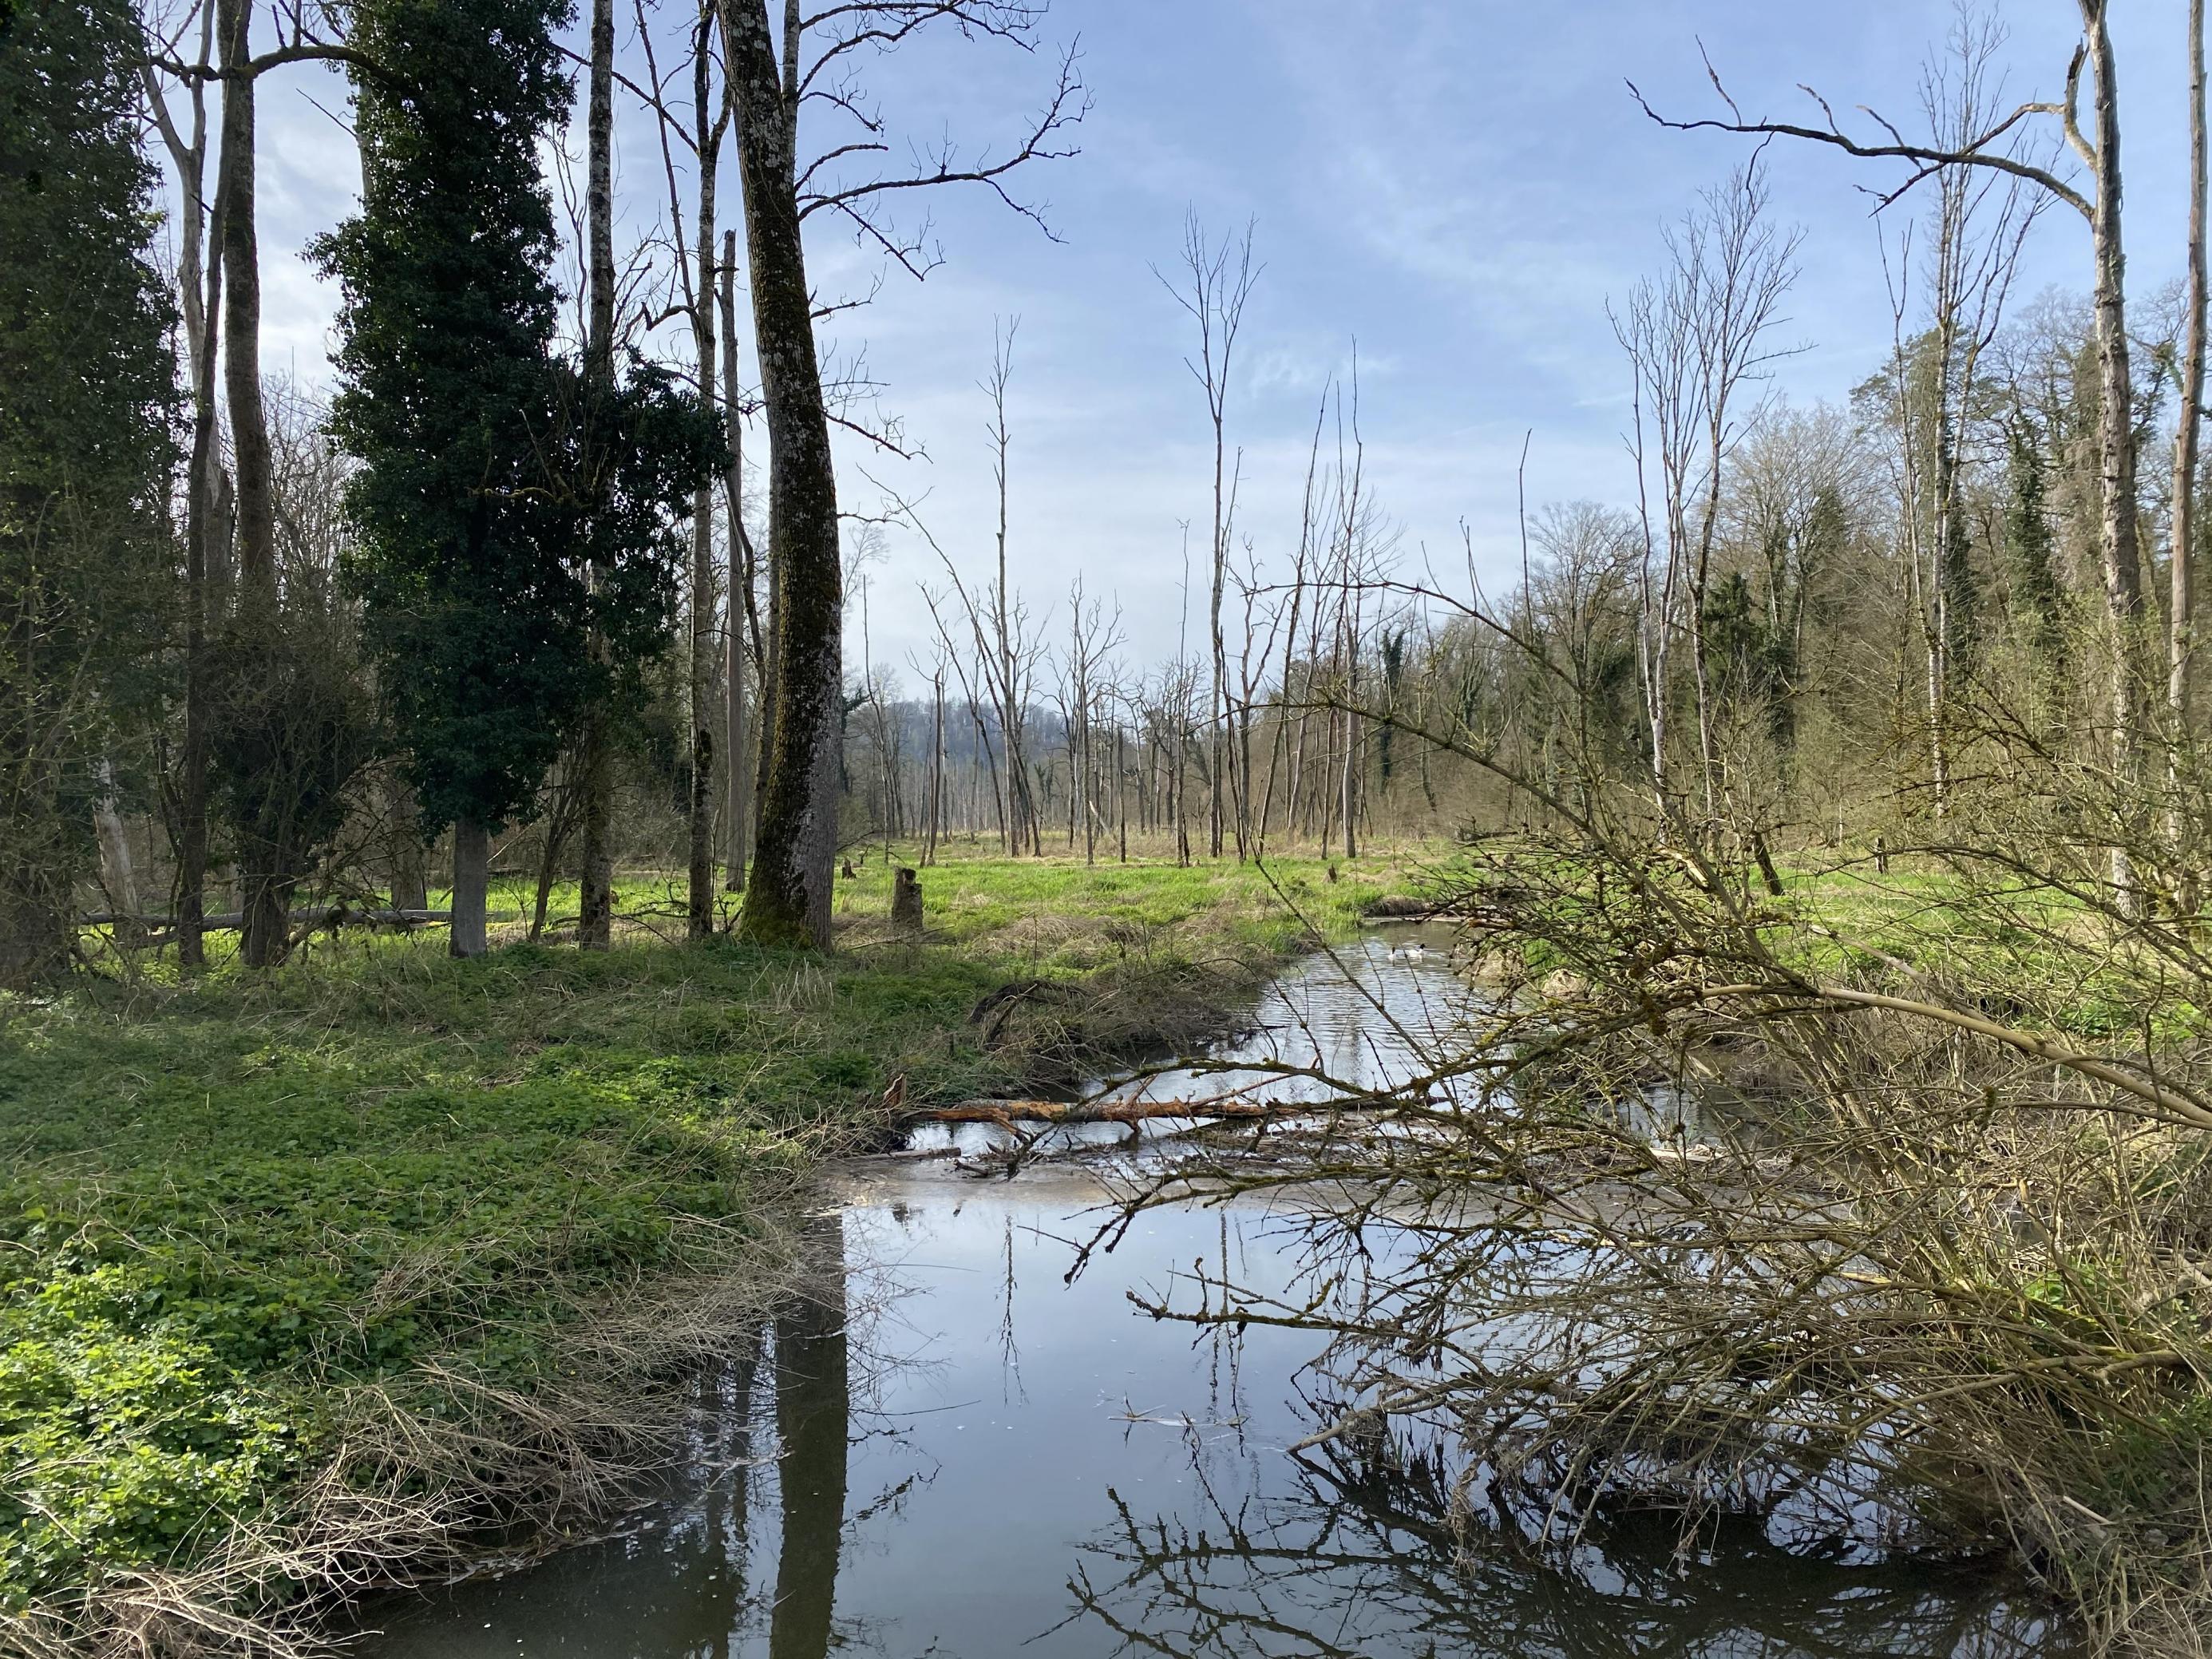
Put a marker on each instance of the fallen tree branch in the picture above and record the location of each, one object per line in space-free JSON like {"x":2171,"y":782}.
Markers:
{"x":1138,"y":1111}
{"x":232,"y":920}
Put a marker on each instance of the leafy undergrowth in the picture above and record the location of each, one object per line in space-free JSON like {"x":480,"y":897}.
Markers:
{"x":228,"y":1207}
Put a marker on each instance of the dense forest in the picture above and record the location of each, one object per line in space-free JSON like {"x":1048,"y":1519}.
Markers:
{"x":1834,"y":775}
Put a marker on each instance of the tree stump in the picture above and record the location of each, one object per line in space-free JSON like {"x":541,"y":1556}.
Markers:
{"x":906,"y":903}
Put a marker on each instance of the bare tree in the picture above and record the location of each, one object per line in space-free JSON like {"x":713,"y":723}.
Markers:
{"x":1217,"y":281}
{"x":200,"y":296}
{"x":226,"y":302}
{"x":2181,"y":611}
{"x":695,"y":298}
{"x":1093,"y":636}
{"x":2099,"y":151}
{"x":1698,"y":342}
{"x":1978,"y":221}
{"x":1004,"y":615}
{"x":936,"y":817}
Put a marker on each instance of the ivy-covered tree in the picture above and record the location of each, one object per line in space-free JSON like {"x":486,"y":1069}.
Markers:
{"x":445,"y":328}
{"x":2038,"y":593}
{"x":86,"y":443}
{"x":506,"y":507}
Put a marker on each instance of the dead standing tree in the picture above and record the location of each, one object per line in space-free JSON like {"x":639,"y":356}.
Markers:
{"x":1698,"y":341}
{"x":774,"y":78}
{"x":1005,"y":646}
{"x":2181,"y":618}
{"x":1094,"y":635}
{"x":2099,"y":150}
{"x":1005,"y":619}
{"x":1218,"y":279}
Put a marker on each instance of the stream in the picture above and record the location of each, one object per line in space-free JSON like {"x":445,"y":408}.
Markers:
{"x":953,"y":1453}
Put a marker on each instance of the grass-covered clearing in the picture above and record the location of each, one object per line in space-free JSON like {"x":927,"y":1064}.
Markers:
{"x":261,"y":1235}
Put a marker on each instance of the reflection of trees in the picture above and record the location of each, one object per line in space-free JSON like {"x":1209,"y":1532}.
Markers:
{"x":1364,"y":1559}
{"x":813,"y":1401}
{"x":707,"y":1559}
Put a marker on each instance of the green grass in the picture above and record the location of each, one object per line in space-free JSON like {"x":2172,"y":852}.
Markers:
{"x":227,"y":1202}
{"x":2026,"y":955}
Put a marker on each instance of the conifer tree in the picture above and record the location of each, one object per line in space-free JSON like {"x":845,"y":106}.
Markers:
{"x":445,"y":332}
{"x":86,"y":414}
{"x":508,"y":506}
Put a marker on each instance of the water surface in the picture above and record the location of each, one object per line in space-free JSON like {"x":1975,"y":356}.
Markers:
{"x":950,"y":1452}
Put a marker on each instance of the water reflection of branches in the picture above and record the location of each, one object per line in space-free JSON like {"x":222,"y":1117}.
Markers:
{"x":1366,"y":1558}
{"x":1606,"y":1289}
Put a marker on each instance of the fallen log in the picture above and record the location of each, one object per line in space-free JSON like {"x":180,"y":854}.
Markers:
{"x":229,"y":921}
{"x":1136,"y":1111}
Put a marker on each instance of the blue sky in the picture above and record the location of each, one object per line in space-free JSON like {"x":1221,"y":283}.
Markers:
{"x":1458,"y":186}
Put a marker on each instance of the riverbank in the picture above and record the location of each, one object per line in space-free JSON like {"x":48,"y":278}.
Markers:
{"x":352,"y":1268}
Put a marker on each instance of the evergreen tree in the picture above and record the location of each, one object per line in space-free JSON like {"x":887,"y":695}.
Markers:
{"x":445,"y":332}
{"x":506,"y":507}
{"x":86,"y":440}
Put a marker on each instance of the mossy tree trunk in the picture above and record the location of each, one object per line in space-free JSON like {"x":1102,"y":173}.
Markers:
{"x":787,"y":901}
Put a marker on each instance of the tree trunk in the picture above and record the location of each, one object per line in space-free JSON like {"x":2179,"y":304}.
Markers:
{"x":471,"y":883}
{"x":1349,"y":782}
{"x":266,"y":856}
{"x":409,"y":883}
{"x":2181,"y":616}
{"x":936,"y":766}
{"x":117,"y":874}
{"x":241,"y":332}
{"x":2122,"y":555}
{"x":1701,"y":669}
{"x":699,"y":917}
{"x":789,"y":900}
{"x":594,"y":766}
{"x":1218,"y":738}
{"x":1120,"y":802}
{"x":739,"y":623}
{"x":204,"y":519}
{"x":199,"y":288}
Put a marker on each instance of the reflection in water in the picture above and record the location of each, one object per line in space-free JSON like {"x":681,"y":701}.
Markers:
{"x":813,"y":1407}
{"x":977,"y":1460}
{"x":1276,"y":1577}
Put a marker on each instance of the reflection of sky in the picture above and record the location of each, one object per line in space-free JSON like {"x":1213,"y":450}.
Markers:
{"x":1370,"y":1014}
{"x":1374,"y":1013}
{"x":1030,"y":1464}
